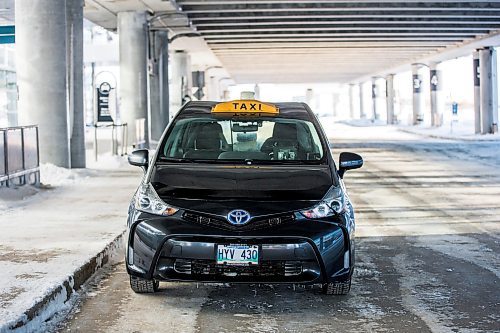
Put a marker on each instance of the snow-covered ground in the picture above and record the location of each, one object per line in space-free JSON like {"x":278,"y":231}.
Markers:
{"x":50,"y":232}
{"x":453,"y":129}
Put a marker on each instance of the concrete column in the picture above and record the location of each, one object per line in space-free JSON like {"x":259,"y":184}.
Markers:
{"x":477,"y":92}
{"x":351,"y":101}
{"x":436,"y":95}
{"x":362,"y":113}
{"x":374,"y":99}
{"x":212,"y":89}
{"x":256,"y":90}
{"x":309,"y":97}
{"x":489,"y":93}
{"x":163,"y":78}
{"x":74,"y":21}
{"x":180,"y":74}
{"x":390,"y":98}
{"x":158,"y":84}
{"x":418,"y":96}
{"x":41,"y":75}
{"x":132,"y":29}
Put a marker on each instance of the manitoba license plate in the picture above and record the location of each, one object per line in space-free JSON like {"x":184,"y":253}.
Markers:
{"x":237,"y":254}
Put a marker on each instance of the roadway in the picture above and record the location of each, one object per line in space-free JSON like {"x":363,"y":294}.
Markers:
{"x":428,"y":245}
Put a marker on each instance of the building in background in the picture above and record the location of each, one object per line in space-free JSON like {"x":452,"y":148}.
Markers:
{"x":8,"y":88}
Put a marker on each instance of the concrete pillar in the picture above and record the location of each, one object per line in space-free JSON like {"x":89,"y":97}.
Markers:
{"x":477,"y":92}
{"x":180,"y":74}
{"x":489,"y":93}
{"x":375,"y":94}
{"x":335,"y":104}
{"x":74,"y":21}
{"x":390,"y":98}
{"x":212,"y":89}
{"x":418,"y":96}
{"x":132,"y":29}
{"x":437,"y":106}
{"x":158,"y":84}
{"x":164,"y":83}
{"x":41,"y":75}
{"x":256,"y":90}
{"x":351,"y":101}
{"x":362,"y":113}
{"x":309,"y":97}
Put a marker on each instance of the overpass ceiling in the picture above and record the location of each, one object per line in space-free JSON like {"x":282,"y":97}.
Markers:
{"x":325,"y":41}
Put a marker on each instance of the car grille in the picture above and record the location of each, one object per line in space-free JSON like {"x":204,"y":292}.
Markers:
{"x":256,"y":223}
{"x":265,"y":268}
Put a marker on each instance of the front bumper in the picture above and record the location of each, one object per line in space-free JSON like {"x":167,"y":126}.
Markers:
{"x":305,"y":251}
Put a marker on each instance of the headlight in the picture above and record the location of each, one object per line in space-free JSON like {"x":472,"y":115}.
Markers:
{"x":332,"y":203}
{"x":146,"y":200}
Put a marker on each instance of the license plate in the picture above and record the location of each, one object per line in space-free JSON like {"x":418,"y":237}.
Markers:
{"x":236,"y":254}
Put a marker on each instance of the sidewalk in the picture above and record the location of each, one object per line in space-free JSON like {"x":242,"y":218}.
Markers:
{"x":458,"y":131}
{"x":56,"y":238}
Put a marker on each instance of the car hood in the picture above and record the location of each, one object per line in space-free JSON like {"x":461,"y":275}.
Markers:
{"x":261,"y":190}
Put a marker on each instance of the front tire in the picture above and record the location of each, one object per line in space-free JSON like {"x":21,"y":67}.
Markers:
{"x":143,"y":286}
{"x":337,"y":287}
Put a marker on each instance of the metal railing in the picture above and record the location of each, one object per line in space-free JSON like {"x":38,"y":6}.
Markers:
{"x":115,"y":143}
{"x":19,"y":156}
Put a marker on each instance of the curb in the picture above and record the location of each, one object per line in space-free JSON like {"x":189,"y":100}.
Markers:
{"x":45,"y":307}
{"x":442,"y":137}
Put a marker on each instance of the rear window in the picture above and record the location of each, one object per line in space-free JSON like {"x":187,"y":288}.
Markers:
{"x":229,"y":138}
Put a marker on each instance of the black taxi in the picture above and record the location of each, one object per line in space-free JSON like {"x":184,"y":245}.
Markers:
{"x":242,"y":192}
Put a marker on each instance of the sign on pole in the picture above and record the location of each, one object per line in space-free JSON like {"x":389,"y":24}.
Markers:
{"x":103,"y":110}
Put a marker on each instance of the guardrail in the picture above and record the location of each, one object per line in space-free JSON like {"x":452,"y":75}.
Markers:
{"x":19,"y":156}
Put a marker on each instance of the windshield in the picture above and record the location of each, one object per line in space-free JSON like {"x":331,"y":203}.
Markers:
{"x":218,"y":139}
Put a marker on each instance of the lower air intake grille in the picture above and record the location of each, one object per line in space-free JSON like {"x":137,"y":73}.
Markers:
{"x":265,"y":268}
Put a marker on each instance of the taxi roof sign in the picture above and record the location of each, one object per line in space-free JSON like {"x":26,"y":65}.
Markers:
{"x":245,"y":106}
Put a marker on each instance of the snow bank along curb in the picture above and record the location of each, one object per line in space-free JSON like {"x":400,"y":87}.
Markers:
{"x":444,"y":137}
{"x":56,"y":298}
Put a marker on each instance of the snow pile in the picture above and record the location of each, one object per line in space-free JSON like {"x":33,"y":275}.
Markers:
{"x":55,"y":176}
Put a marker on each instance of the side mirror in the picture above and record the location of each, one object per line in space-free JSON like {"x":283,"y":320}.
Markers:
{"x":139,"y":158}
{"x":349,"y":161}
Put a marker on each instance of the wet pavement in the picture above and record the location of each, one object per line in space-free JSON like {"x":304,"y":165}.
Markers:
{"x":427,"y":251}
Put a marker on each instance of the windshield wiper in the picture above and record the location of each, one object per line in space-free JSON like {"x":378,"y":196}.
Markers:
{"x":178,"y":160}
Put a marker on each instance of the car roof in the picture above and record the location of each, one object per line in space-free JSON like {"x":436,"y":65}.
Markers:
{"x":295,"y":110}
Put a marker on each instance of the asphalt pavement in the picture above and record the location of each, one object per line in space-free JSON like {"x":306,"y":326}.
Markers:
{"x":428,"y":249}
